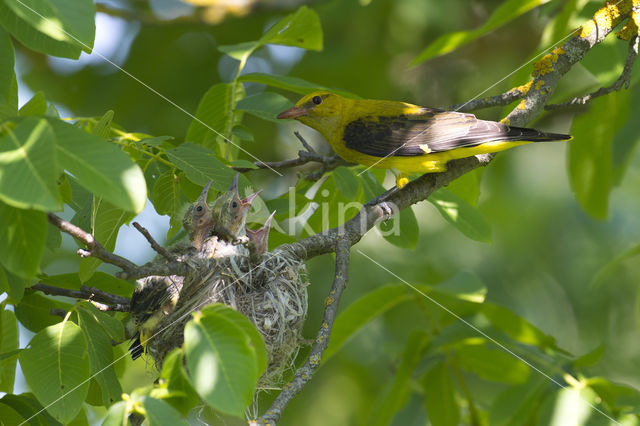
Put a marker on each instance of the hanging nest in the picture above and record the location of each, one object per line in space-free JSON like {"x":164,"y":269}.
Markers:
{"x":271,"y":293}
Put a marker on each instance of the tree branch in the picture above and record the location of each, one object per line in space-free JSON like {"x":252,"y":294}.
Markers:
{"x":304,"y":373}
{"x":623,"y":81}
{"x":154,"y":245}
{"x":370,"y":214}
{"x":309,"y":155}
{"x":111,"y":301}
{"x":492,"y":101}
{"x":551,"y":67}
{"x":95,"y":248}
{"x":129,"y":269}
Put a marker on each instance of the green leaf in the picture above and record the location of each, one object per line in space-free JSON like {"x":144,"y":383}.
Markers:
{"x":100,"y":167}
{"x":12,"y":285}
{"x":34,"y":311}
{"x":10,"y":416}
{"x":467,"y":186}
{"x":626,"y":139}
{"x":396,"y":397}
{"x":56,"y":367}
{"x":8,"y":343}
{"x":167,"y":197}
{"x":200,"y":165}
{"x":28,"y":167}
{"x":516,"y":327}
{"x":292,"y":84}
{"x":66,"y":21}
{"x":590,"y":358}
{"x":37,"y":105}
{"x":439,"y":396}
{"x":461,"y":215}
{"x":346,"y":182}
{"x":247,"y":326}
{"x":506,"y":12}
{"x":362,"y":311}
{"x":265,"y":105}
{"x":299,"y":29}
{"x":91,"y":321}
{"x":159,"y":413}
{"x":464,"y":286}
{"x":611,"y":267}
{"x":243,"y":133}
{"x":401,"y":230}
{"x":29,"y":408}
{"x":106,"y":221}
{"x":22,"y":237}
{"x":222,"y":362}
{"x":208,"y":126}
{"x":118,"y":415}
{"x":8,"y":84}
{"x":570,"y":406}
{"x":591,"y":171}
{"x":181,"y":395}
{"x":492,"y":364}
{"x":103,"y":127}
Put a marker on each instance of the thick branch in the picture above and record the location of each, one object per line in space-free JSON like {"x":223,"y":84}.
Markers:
{"x":95,"y":248}
{"x":114,"y":302}
{"x":352,"y":230}
{"x":304,"y":373}
{"x":623,"y":81}
{"x":129,"y":269}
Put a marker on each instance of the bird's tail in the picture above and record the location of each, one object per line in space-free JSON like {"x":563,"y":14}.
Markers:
{"x":533,"y":135}
{"x":136,"y":347}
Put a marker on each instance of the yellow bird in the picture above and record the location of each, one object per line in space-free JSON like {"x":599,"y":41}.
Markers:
{"x":405,"y":137}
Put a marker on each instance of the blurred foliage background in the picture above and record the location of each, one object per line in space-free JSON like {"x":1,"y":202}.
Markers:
{"x":573,"y":276}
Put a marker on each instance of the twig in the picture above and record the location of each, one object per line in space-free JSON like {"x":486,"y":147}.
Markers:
{"x":309,"y":155}
{"x":129,"y":269}
{"x":95,"y":248}
{"x":492,"y":101}
{"x":550,"y":68}
{"x":154,"y":245}
{"x":623,"y":80}
{"x":304,"y":373}
{"x":112,"y":301}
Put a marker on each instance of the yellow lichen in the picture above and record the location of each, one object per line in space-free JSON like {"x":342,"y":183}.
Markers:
{"x":539,"y":84}
{"x":506,"y":121}
{"x":524,"y":89}
{"x":522,"y":105}
{"x":545,"y":65}
{"x":631,"y":28}
{"x":607,"y":17}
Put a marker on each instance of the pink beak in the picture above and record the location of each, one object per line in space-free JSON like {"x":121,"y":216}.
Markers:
{"x":293,"y":112}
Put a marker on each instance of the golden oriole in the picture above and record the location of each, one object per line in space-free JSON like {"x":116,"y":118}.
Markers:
{"x":405,"y":137}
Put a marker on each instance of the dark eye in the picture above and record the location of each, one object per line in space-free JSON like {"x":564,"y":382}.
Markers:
{"x":199,"y":208}
{"x":316,"y":100}
{"x":234,"y":204}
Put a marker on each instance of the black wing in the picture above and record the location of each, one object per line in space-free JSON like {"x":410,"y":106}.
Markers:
{"x":431,"y":131}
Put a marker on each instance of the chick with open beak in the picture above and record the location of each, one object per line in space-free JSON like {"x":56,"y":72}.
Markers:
{"x":230,"y":213}
{"x":260,"y":237}
{"x":198,"y":220}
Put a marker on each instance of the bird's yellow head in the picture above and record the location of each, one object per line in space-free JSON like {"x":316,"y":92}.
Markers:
{"x":322,"y":111}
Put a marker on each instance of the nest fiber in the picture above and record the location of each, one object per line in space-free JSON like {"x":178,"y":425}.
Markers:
{"x":270,"y":292}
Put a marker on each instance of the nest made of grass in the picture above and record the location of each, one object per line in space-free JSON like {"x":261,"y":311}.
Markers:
{"x":271,"y":293}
